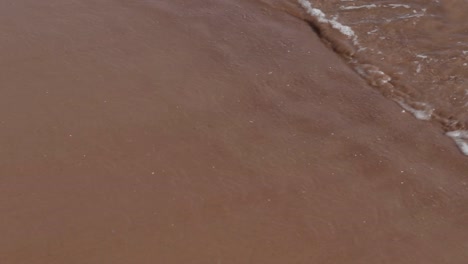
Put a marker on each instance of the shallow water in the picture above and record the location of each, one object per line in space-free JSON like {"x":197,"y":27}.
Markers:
{"x":414,"y":52}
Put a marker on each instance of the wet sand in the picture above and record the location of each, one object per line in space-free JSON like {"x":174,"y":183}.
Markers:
{"x":209,"y":132}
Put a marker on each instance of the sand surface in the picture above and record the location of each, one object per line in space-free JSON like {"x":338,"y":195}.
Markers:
{"x":209,"y":132}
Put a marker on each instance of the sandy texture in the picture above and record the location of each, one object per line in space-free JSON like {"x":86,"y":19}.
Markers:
{"x":209,"y":132}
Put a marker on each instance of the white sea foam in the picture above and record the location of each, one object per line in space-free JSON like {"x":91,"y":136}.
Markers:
{"x":322,"y":18}
{"x":398,"y":5}
{"x":358,"y":7}
{"x":418,"y":69}
{"x":424,"y":114}
{"x":372,"y":74}
{"x":370,"y":6}
{"x":461,"y":139}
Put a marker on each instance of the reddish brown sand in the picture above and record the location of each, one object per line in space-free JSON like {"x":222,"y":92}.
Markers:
{"x":209,"y":132}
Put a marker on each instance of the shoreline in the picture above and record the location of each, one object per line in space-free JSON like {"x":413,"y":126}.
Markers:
{"x":344,"y":41}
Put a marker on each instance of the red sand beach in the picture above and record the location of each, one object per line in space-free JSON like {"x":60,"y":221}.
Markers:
{"x":209,"y":132}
